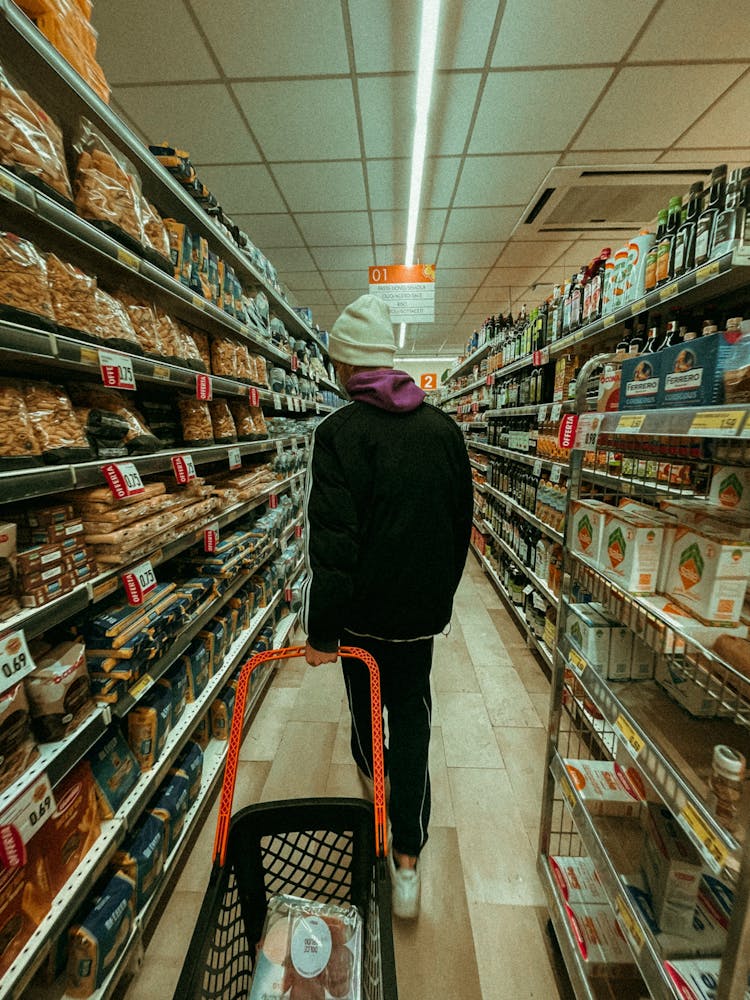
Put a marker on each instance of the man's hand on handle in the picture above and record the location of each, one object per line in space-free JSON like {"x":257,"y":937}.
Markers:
{"x":315,"y":657}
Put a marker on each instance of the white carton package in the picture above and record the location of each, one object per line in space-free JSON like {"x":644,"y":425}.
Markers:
{"x":696,"y":978}
{"x":669,"y":522}
{"x":708,"y":575}
{"x":691,"y":688}
{"x":642,"y":661}
{"x":631,"y":550}
{"x":730,"y":487}
{"x":577,"y":880}
{"x":706,"y":936}
{"x":707,"y":516}
{"x":600,"y":941}
{"x":605,"y":787}
{"x":618,"y":666}
{"x":682,"y":619}
{"x":590,"y":632}
{"x":718,"y":898}
{"x":586,"y":531}
{"x":672,"y":867}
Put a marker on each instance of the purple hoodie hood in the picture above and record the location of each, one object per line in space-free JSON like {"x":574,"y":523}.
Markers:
{"x":386,"y":388}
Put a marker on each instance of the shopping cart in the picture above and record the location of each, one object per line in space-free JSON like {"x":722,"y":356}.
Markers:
{"x":323,"y":849}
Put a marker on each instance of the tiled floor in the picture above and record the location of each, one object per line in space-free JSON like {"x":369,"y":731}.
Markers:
{"x":481,"y":932}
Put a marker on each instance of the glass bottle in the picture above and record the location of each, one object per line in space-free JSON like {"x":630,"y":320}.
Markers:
{"x":684,"y":253}
{"x":652,"y":255}
{"x":664,"y":252}
{"x":704,"y":231}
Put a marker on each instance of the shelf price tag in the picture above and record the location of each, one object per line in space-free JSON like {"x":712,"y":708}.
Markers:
{"x":555,"y":473}
{"x":7,"y":185}
{"x":317,"y":408}
{"x":211,"y":537}
{"x":630,"y":423}
{"x":141,"y":685}
{"x":576,"y":661}
{"x":253,"y":396}
{"x":288,"y":595}
{"x":204,"y":388}
{"x":279,"y":446}
{"x":608,"y":321}
{"x":15,"y":659}
{"x":707,"y":271}
{"x":634,"y":741}
{"x":669,"y":290}
{"x":717,"y":423}
{"x":295,"y":363}
{"x":139,"y":582}
{"x":490,"y":380}
{"x":587,"y":431}
{"x":289,"y":402}
{"x":538,"y":468}
{"x":128,"y":259}
{"x":277,"y":401}
{"x":23,"y":818}
{"x":235,"y":458}
{"x":273,"y":501}
{"x":555,"y":412}
{"x":123,"y":478}
{"x":712,"y":849}
{"x":184,"y":468}
{"x":566,"y":432}
{"x":638,"y":307}
{"x":629,"y":922}
{"x":117,"y":370}
{"x":542,"y":415}
{"x":567,"y":792}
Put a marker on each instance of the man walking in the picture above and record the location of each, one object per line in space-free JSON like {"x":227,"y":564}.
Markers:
{"x":388,"y":513}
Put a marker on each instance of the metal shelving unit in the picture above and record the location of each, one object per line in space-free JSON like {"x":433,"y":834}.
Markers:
{"x":539,"y":584}
{"x":556,"y":536}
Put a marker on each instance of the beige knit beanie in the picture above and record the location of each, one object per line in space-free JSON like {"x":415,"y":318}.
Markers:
{"x":363,"y":334}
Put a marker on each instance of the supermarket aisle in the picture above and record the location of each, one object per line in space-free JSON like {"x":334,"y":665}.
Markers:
{"x":481,"y":896}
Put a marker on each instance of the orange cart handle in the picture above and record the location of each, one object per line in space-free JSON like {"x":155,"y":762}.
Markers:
{"x":235,"y":742}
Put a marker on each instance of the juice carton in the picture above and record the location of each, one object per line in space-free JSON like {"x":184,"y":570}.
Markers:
{"x":631,"y":550}
{"x":705,"y":936}
{"x":587,"y":528}
{"x":708,"y":575}
{"x":589,"y":631}
{"x":606,"y":788}
{"x":693,"y":373}
{"x":577,"y":880}
{"x":672,"y":867}
{"x":640,"y":382}
{"x":669,"y":522}
{"x":730,"y":487}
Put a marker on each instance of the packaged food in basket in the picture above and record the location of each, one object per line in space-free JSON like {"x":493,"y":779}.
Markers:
{"x":73,"y":296}
{"x":24,"y":286}
{"x":197,"y":428}
{"x":18,"y":444}
{"x":107,"y":188}
{"x":55,"y":424}
{"x":31,"y":144}
{"x":115,"y":771}
{"x":96,"y":942}
{"x":141,"y":858}
{"x":308,"y":949}
{"x":17,"y":746}
{"x":73,"y":828}
{"x":59,"y":691}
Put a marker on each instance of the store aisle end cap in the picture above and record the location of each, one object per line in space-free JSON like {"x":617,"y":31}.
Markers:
{"x":363,"y":334}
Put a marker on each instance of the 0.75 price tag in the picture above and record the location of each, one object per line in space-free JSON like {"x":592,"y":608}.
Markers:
{"x":117,"y":370}
{"x":123,"y":478}
{"x":139,"y":582}
{"x":15,"y":660}
{"x":184,"y":468}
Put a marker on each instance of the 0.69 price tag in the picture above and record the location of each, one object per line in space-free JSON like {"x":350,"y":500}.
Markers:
{"x":139,"y":582}
{"x":184,"y":468}
{"x":123,"y":478}
{"x":15,"y":660}
{"x":117,"y":370}
{"x":23,"y":818}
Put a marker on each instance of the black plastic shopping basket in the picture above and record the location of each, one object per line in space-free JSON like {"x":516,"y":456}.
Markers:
{"x":328,"y":850}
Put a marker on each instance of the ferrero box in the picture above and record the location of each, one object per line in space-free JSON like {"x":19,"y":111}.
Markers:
{"x":682,"y":621}
{"x":606,"y":788}
{"x":577,"y":880}
{"x":586,"y":530}
{"x":640,"y":382}
{"x":631,"y":550}
{"x":600,"y":940}
{"x":670,"y":524}
{"x":708,"y":575}
{"x":730,"y":487}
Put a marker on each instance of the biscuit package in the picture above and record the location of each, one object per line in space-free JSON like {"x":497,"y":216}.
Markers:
{"x":24,"y":288}
{"x":149,"y":725}
{"x":141,"y":858}
{"x":96,"y":942}
{"x":25,"y":899}
{"x":308,"y":949}
{"x":170,"y":807}
{"x":17,"y":746}
{"x":107,"y":188}
{"x":115,"y":771}
{"x":73,"y":828}
{"x":59,"y":691}
{"x":190,"y":765}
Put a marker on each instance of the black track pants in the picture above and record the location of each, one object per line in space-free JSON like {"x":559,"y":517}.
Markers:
{"x":405,"y":691}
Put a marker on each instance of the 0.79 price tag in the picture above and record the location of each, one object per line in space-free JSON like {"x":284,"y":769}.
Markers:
{"x":123,"y":478}
{"x":139,"y":582}
{"x":15,"y":660}
{"x":117,"y":370}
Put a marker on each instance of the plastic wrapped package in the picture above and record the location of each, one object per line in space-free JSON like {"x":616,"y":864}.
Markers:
{"x":73,"y":296}
{"x":18,"y":444}
{"x":169,"y":335}
{"x":155,"y":235}
{"x":197,"y":428}
{"x":259,"y":422}
{"x":113,"y":325}
{"x":223,"y":424}
{"x":139,"y":439}
{"x":243,"y":419}
{"x":180,"y":250}
{"x":203,"y":343}
{"x":107,"y":188}
{"x":176,"y":161}
{"x":143,"y":320}
{"x":224,"y":357}
{"x":243,"y":364}
{"x":31,"y":144}
{"x":188,"y":348}
{"x":55,"y":424}
{"x":24,"y":286}
{"x":17,"y":746}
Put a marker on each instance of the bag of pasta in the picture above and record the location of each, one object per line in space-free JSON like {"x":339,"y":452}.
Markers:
{"x":18,"y":444}
{"x":155,"y":235}
{"x":107,"y":188}
{"x":55,"y":424}
{"x":139,"y":439}
{"x":143,"y":320}
{"x":24,"y":286}
{"x":73,"y":296}
{"x":113,"y":325}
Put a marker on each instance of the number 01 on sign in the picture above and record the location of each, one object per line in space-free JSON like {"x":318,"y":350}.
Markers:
{"x":408,"y":290}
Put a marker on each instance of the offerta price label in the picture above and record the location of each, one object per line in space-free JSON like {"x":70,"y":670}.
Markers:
{"x":123,"y":478}
{"x":139,"y":582}
{"x":15,"y":659}
{"x":204,"y":388}
{"x":184,"y":468}
{"x":211,"y":538}
{"x":253,"y":396}
{"x":117,"y":370}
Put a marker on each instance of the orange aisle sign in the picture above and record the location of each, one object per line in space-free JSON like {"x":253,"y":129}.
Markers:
{"x":409,"y":291}
{"x":428,"y":381}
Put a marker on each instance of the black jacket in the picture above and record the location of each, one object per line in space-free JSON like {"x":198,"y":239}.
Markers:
{"x":388,"y":512}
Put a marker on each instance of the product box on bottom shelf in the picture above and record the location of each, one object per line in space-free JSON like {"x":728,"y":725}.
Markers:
{"x":631,"y":550}
{"x":589,"y":631}
{"x":98,"y":939}
{"x":673,"y":869}
{"x":696,"y":978}
{"x":600,"y":941}
{"x":705,"y":936}
{"x":25,"y":899}
{"x":606,"y":788}
{"x":577,"y":880}
{"x":73,"y":828}
{"x":708,"y":574}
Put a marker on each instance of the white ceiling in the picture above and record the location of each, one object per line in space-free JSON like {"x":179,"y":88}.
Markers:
{"x":299,"y":117}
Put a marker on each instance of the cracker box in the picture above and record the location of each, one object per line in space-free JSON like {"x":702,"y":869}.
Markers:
{"x":631,"y":550}
{"x":692,"y":374}
{"x":641,"y":382}
{"x":587,"y":528}
{"x":730,"y":487}
{"x":576,"y":880}
{"x":705,"y":936}
{"x":606,"y":788}
{"x":708,"y":575}
{"x":589,"y":631}
{"x":696,"y":978}
{"x":600,"y":941}
{"x":672,"y":867}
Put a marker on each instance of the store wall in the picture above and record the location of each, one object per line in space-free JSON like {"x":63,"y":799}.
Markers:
{"x":418,"y":368}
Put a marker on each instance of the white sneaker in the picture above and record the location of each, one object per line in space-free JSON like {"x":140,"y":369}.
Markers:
{"x":406,"y":885}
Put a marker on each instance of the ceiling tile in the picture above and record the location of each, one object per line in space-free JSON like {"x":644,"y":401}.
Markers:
{"x":596,"y":158}
{"x":481,"y":224}
{"x":504,"y":277}
{"x":574,"y":35}
{"x":390,"y":227}
{"x":303,"y":281}
{"x":424,"y":253}
{"x":502,"y":180}
{"x":347,"y":281}
{"x":554,"y":103}
{"x":302,"y":120}
{"x":727,"y":118}
{"x":269,"y":231}
{"x":342,"y":258}
{"x":694,"y":31}
{"x":708,"y":158}
{"x":387,"y":104}
{"x":275,"y":39}
{"x":324,"y":229}
{"x":619,"y":121}
{"x":440,"y":179}
{"x":320,"y":187}
{"x":141,"y":41}
{"x":216,"y":135}
{"x":388,"y":182}
{"x":453,"y":99}
{"x":386,"y":37}
{"x":465,"y":32}
{"x":443,"y":295}
{"x":291,"y":259}
{"x":460,"y":277}
{"x":468,"y":255}
{"x":522,"y":254}
{"x":243,"y":189}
